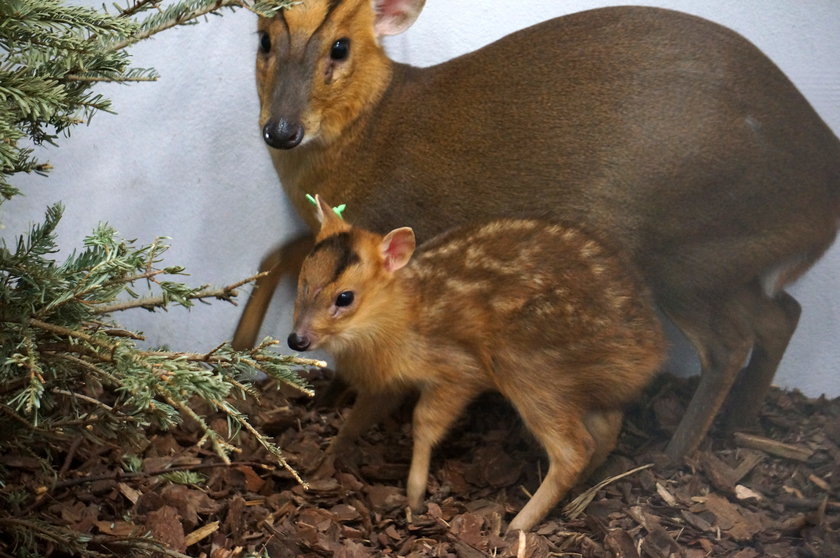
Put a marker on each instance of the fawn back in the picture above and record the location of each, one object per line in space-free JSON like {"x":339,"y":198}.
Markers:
{"x":540,"y":312}
{"x":673,"y":135}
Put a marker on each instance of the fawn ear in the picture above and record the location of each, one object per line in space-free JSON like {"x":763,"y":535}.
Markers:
{"x":323,"y":211}
{"x":397,"y":247}
{"x":395,"y":16}
{"x":330,"y":222}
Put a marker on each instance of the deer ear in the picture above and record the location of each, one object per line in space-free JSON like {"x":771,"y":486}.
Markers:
{"x":397,"y":247}
{"x":395,"y":16}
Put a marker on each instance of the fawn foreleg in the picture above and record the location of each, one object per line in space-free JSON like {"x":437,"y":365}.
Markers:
{"x":434,"y":414}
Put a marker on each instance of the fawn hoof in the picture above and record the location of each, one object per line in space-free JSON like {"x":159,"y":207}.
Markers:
{"x":417,"y":507}
{"x":416,"y":497}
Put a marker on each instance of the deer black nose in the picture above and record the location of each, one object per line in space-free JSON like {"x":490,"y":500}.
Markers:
{"x":298,"y":342}
{"x":282,"y":134}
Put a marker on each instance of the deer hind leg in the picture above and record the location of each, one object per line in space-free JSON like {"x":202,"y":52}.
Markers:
{"x":285,"y":259}
{"x":721,"y":333}
{"x":774,"y":321}
{"x":434,"y":414}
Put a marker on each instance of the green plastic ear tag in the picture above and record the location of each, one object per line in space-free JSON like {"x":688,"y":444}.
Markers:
{"x":337,"y":209}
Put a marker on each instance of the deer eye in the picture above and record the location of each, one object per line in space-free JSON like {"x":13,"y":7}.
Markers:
{"x":265,"y":42}
{"x":344,"y":299}
{"x":340,"y":49}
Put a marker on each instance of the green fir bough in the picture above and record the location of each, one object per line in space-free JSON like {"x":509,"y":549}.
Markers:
{"x":69,"y":373}
{"x":51,"y":54}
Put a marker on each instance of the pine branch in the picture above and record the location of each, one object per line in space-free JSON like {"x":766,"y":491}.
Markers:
{"x":109,"y":79}
{"x":54,"y":53}
{"x":188,"y":12}
{"x":68,"y":332}
{"x":67,"y":371}
{"x":121,"y":476}
{"x":226,"y":293}
{"x":108,"y":352}
{"x":138,"y":6}
{"x":221,"y":359}
{"x":221,"y":447}
{"x":264,"y":442}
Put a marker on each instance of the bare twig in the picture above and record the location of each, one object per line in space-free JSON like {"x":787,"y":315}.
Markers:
{"x":71,"y":454}
{"x":576,"y":506}
{"x":773,"y":447}
{"x":137,"y":542}
{"x":46,"y":532}
{"x":8,"y":411}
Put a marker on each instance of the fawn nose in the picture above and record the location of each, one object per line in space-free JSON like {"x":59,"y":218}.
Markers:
{"x":283,"y":134}
{"x":298,"y":342}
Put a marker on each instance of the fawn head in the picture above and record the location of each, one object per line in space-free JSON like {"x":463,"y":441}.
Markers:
{"x":320,"y":64}
{"x":344,"y":287}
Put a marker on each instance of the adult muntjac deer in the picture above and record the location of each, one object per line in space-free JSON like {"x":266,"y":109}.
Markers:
{"x":673,"y":135}
{"x":543,"y":313}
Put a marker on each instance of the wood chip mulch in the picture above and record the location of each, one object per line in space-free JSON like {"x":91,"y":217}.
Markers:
{"x":774,"y":492}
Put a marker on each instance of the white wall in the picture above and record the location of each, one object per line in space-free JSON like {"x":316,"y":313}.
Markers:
{"x":184,"y":157}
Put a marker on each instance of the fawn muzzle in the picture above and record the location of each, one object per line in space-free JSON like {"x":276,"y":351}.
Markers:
{"x":298,"y":342}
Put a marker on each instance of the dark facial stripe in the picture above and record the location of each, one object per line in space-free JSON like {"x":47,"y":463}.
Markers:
{"x":281,"y":15}
{"x":331,"y":6}
{"x":341,"y":245}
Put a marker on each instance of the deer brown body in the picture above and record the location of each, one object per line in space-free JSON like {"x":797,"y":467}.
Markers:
{"x":673,"y":135}
{"x":540,"y":312}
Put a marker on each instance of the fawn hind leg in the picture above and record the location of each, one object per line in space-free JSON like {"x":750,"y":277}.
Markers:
{"x":570,"y":447}
{"x":604,"y":425}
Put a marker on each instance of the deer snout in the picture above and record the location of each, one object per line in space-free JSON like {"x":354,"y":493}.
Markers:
{"x":298,"y":342}
{"x":283,"y":134}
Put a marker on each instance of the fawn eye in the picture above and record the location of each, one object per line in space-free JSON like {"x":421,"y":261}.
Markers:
{"x":340,"y":49}
{"x":265,"y":42}
{"x":344,"y":299}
